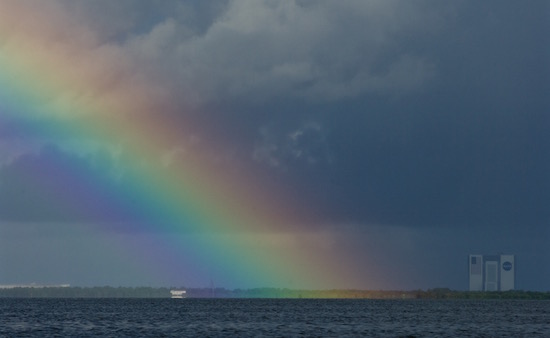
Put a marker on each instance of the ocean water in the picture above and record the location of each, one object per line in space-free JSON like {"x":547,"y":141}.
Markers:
{"x":273,"y":317}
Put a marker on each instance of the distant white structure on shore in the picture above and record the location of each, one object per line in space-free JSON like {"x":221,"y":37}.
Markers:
{"x":34,"y":286}
{"x":178,"y":293}
{"x":491,"y":272}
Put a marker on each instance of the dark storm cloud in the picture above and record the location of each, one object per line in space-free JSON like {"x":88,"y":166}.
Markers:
{"x":249,"y":51}
{"x":469,"y":149}
{"x":380,"y":112}
{"x":117,"y":21}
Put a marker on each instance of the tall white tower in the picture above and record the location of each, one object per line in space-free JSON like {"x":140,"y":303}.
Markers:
{"x":507,"y":272}
{"x":475,"y":264}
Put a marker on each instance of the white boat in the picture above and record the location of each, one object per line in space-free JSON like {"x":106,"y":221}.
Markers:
{"x":178,"y":294}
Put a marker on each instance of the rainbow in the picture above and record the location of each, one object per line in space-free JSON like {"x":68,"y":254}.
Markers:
{"x":55,"y":86}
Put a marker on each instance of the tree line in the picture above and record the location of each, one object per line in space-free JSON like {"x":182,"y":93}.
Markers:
{"x":150,"y":292}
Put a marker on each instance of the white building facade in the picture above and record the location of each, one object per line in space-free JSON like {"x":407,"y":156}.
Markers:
{"x":491,"y":272}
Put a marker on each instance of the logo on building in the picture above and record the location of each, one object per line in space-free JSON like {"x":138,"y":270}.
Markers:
{"x":507,"y":266}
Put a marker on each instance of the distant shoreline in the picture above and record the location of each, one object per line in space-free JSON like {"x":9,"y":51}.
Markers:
{"x":150,"y":292}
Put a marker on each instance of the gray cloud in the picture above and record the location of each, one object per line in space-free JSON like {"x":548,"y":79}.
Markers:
{"x":253,"y":50}
{"x":305,"y":144}
{"x":481,"y":110}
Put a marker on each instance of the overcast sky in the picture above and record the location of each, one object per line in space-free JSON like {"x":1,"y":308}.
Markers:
{"x":412,"y":133}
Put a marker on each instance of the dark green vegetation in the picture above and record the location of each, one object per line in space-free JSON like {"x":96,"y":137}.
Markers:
{"x":78,"y":292}
{"x":148,"y":292}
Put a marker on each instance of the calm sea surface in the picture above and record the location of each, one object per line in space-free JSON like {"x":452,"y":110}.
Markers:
{"x":273,"y":317}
